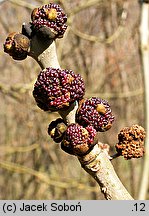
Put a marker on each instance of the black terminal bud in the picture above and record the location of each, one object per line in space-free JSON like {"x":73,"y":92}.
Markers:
{"x":56,"y":130}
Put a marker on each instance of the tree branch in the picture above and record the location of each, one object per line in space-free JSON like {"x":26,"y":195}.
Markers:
{"x":144,"y":42}
{"x":96,"y":162}
{"x":98,"y":165}
{"x":43,"y":50}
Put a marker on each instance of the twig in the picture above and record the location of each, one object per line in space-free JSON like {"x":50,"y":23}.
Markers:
{"x":41,"y":52}
{"x":97,"y":164}
{"x":22,"y":169}
{"x":5,"y":90}
{"x":22,"y":3}
{"x":10,"y":150}
{"x":144,"y":40}
{"x":48,"y":58}
{"x":97,"y":39}
{"x":117,"y":95}
{"x":84,"y":5}
{"x":15,"y":90}
{"x":13,"y":167}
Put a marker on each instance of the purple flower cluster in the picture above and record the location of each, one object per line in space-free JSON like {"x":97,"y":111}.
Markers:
{"x":96,"y":112}
{"x":78,"y":140}
{"x":56,"y":89}
{"x":52,"y":16}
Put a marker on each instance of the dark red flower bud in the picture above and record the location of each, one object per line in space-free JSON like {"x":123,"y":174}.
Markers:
{"x":56,"y":89}
{"x":51,"y":16}
{"x":96,"y":112}
{"x":78,"y":140}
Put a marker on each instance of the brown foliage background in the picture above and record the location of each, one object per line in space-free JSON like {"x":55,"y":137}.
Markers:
{"x":102,"y":44}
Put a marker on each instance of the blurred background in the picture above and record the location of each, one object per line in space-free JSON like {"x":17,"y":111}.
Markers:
{"x":102,"y":44}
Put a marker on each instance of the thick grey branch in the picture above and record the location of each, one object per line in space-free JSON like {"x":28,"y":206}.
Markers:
{"x":44,"y":52}
{"x":98,"y":165}
{"x":69,"y":114}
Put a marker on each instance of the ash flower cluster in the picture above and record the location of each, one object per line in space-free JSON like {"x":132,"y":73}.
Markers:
{"x":56,"y":89}
{"x":96,"y":112}
{"x":131,"y":142}
{"x":78,"y":140}
{"x":52,"y":16}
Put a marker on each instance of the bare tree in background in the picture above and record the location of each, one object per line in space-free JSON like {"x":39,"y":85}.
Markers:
{"x":110,"y":34}
{"x":144,"y":46}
